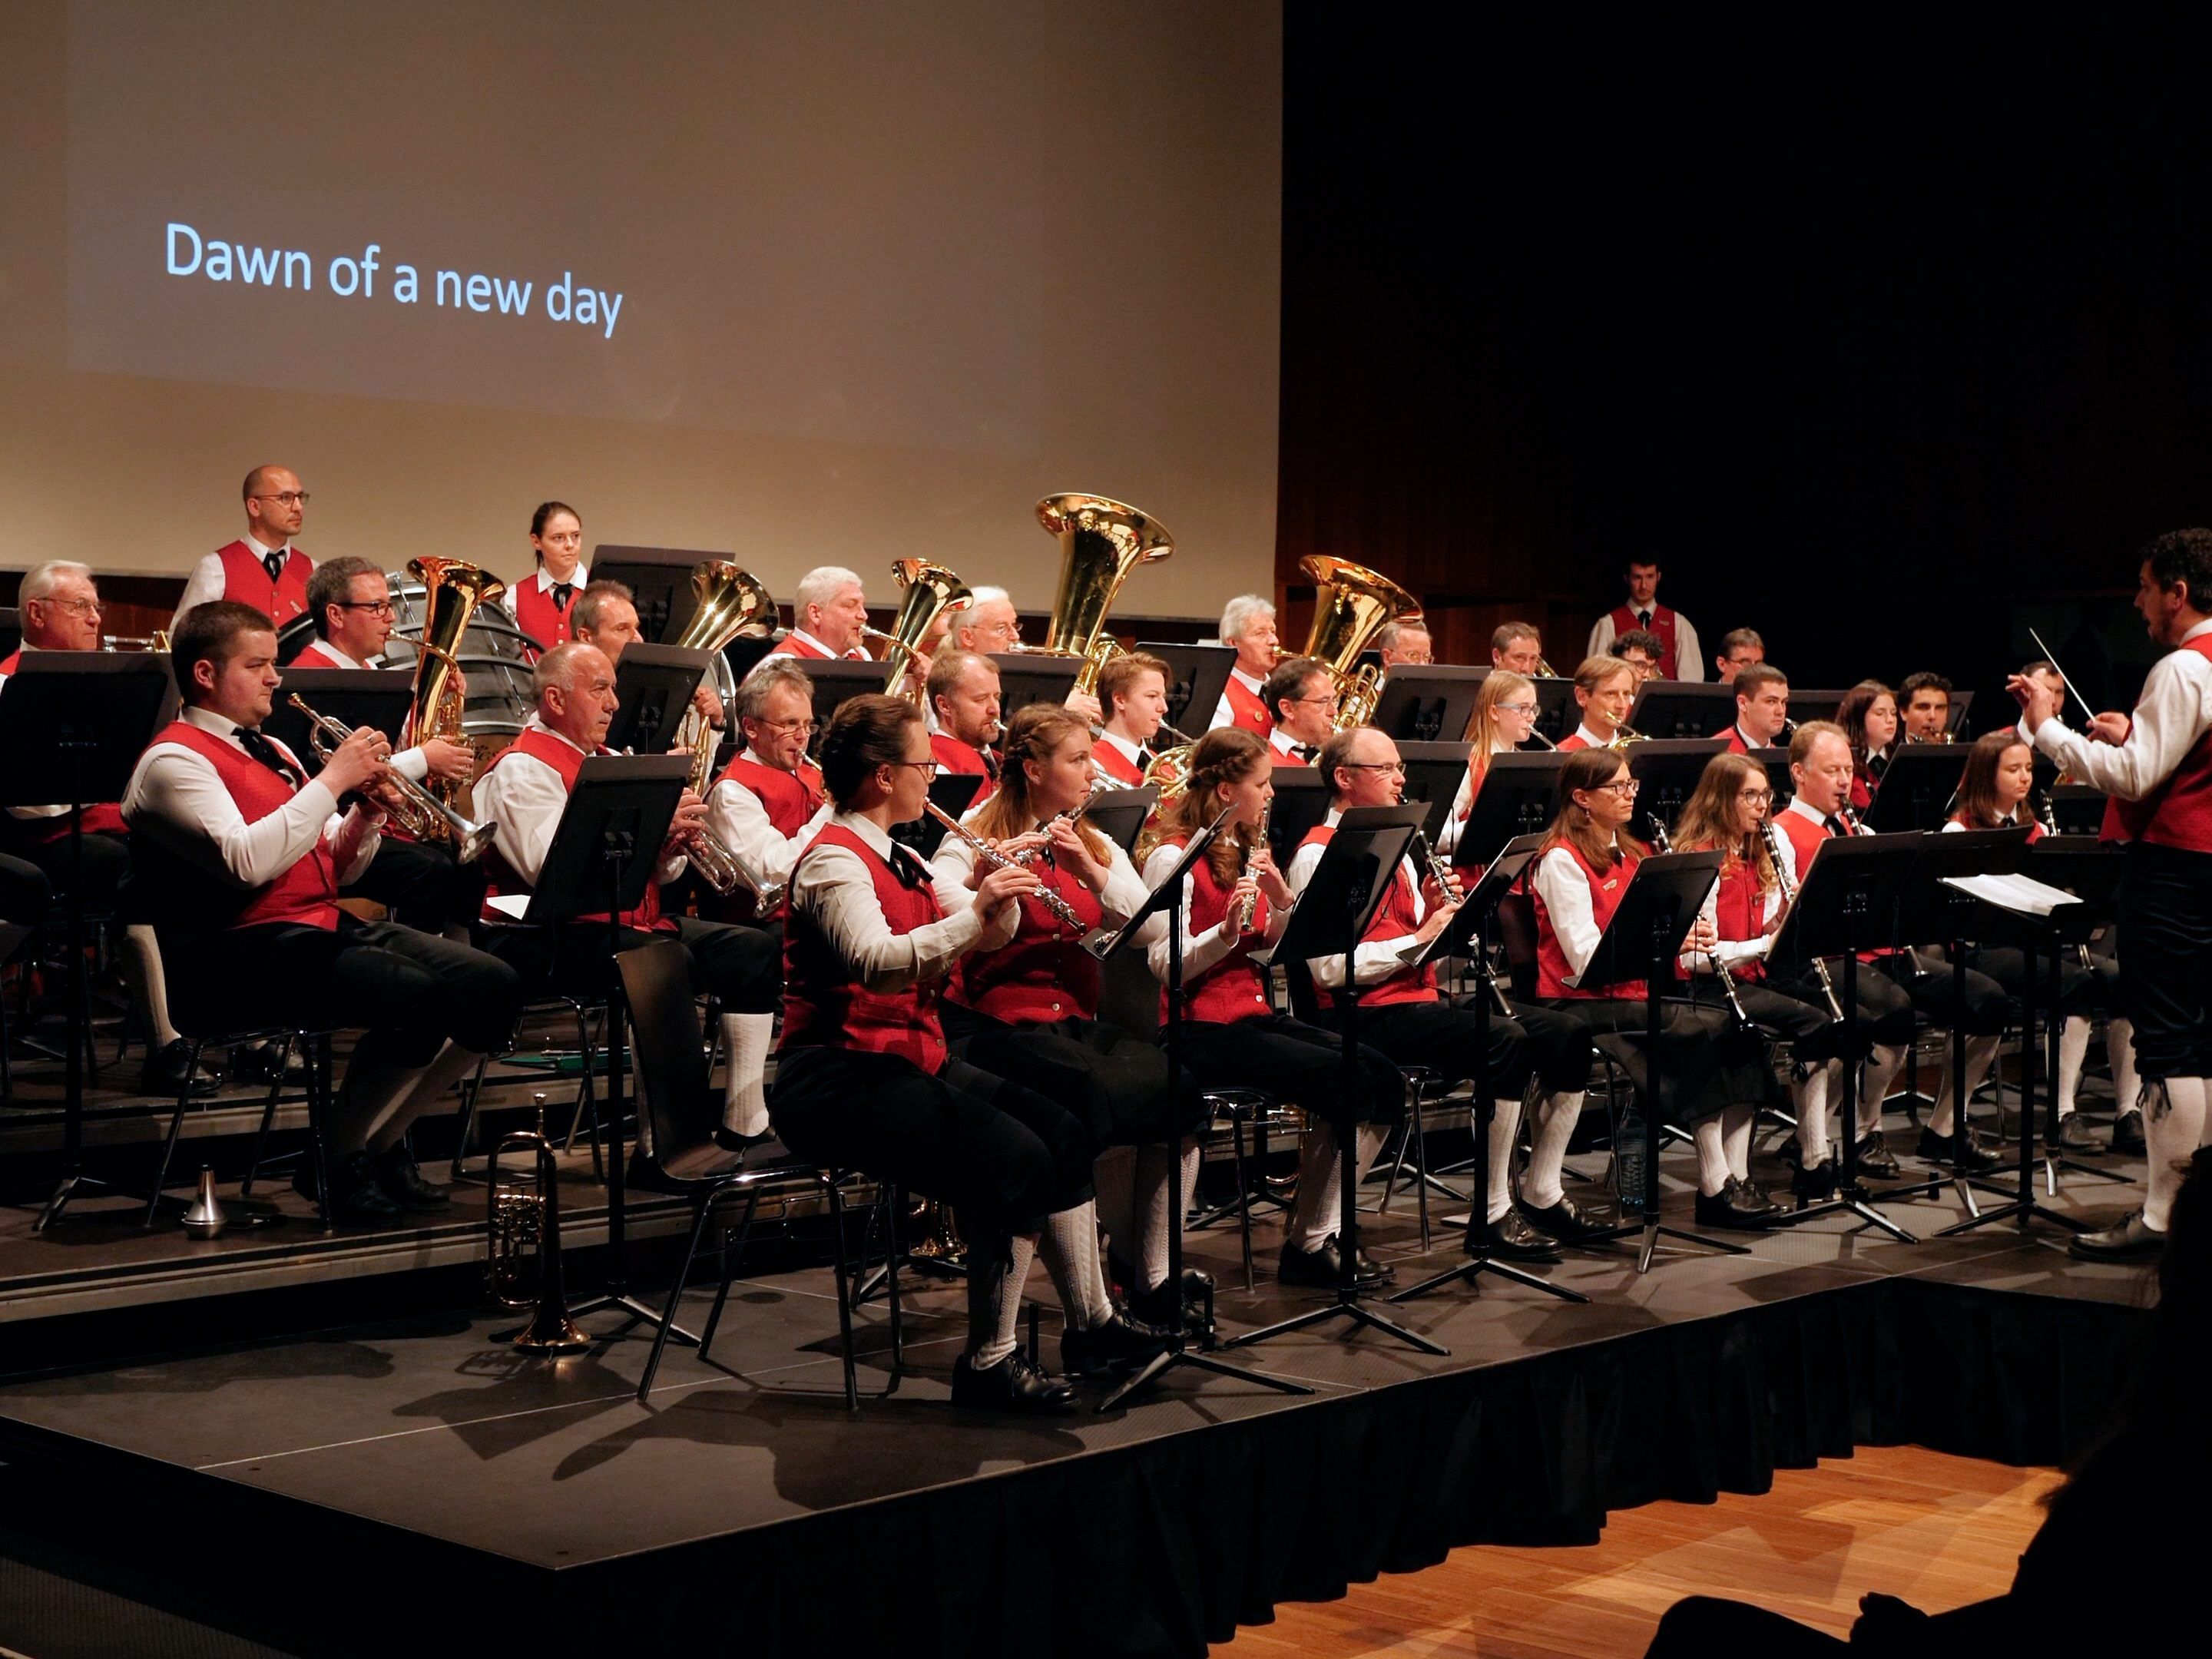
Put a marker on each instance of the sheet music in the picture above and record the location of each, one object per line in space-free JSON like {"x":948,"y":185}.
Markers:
{"x":2021,"y":895}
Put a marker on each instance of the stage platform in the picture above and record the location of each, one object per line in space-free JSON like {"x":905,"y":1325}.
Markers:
{"x":409,"y":1482}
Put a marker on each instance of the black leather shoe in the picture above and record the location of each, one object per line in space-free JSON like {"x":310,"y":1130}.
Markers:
{"x":2127,"y":1134}
{"x":1732,"y":1208}
{"x":2075,"y":1136}
{"x":1512,"y":1239}
{"x":166,"y":1068}
{"x":1158,"y":1305}
{"x":1011,"y":1385}
{"x":1565,"y":1221}
{"x":1791,"y":1153}
{"x":256,"y":1062}
{"x":1122,"y":1344}
{"x":398,"y":1179}
{"x":1874,"y":1157}
{"x":731,"y":1141}
{"x":357,"y":1199}
{"x":1816,"y":1185}
{"x":2130,"y":1241}
{"x":1319,"y":1268}
{"x":1974,"y":1158}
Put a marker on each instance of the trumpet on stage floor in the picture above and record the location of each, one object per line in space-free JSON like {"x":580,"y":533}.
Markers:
{"x":469,"y":839}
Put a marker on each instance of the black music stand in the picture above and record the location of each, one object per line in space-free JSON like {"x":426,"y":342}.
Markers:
{"x":1917,"y":788}
{"x":1467,"y":936}
{"x":838,"y":679}
{"x":375,"y":697}
{"x":1428,"y":702}
{"x":1846,"y":903}
{"x":2078,"y":808}
{"x":952,"y":792}
{"x":1120,"y":814}
{"x":1641,"y":942}
{"x":1667,"y":770}
{"x":1300,"y":802}
{"x":653,"y":686}
{"x":1822,"y":702}
{"x":1434,"y":772}
{"x":1556,"y":712}
{"x":1776,"y":761}
{"x":1682,"y":708}
{"x":1956,"y":724}
{"x":1166,"y":902}
{"x":1197,"y":677}
{"x":1519,"y":797}
{"x":659,"y":581}
{"x":1347,"y":887}
{"x":1029,"y":677}
{"x":602,"y":859}
{"x":72,"y":727}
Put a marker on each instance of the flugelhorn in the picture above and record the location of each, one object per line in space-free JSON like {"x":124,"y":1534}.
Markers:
{"x":451,"y":590}
{"x":469,"y":839}
{"x":1101,"y":541}
{"x":522,"y":1225}
{"x":1350,"y":605}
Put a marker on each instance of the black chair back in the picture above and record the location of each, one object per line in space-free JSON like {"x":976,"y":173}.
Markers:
{"x":1517,"y":932}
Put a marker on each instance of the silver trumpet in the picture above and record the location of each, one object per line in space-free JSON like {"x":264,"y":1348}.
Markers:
{"x":470,"y":838}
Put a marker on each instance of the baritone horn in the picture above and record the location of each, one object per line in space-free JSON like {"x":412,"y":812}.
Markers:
{"x":1101,"y":542}
{"x":930,"y":590}
{"x":469,"y":839}
{"x":451,"y":590}
{"x":522,"y":1265}
{"x":732,"y":603}
{"x":1350,"y":605}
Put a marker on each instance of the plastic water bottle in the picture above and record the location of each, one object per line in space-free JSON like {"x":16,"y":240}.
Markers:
{"x":1628,"y":1156}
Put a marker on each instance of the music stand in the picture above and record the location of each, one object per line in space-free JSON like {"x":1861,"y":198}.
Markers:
{"x":603,"y":858}
{"x":1197,"y":676}
{"x":953,"y":792}
{"x":1300,"y":802}
{"x":1429,"y":702}
{"x":1956,"y":724}
{"x":72,"y":727}
{"x":1519,"y":797}
{"x":1667,"y":770}
{"x":1120,"y":814}
{"x":743,"y":653}
{"x":838,"y":679}
{"x":375,"y":697}
{"x":1030,"y":677}
{"x":1166,"y":901}
{"x":1823,"y":702}
{"x":1917,"y":788}
{"x":1434,"y":772}
{"x":1682,"y":708}
{"x":2078,"y":808}
{"x":1467,"y":936}
{"x":1846,"y":903}
{"x":1556,"y":712}
{"x":1776,"y":760}
{"x":659,"y":581}
{"x":653,"y":686}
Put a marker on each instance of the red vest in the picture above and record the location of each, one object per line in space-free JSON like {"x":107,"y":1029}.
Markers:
{"x":535,"y":614}
{"x":958,"y":757}
{"x":307,"y":893}
{"x":791,"y":799}
{"x":1394,"y":918}
{"x":1740,"y":908}
{"x":245,"y":579}
{"x":565,"y":759}
{"x":2179,"y":812}
{"x":1245,"y":709}
{"x":1662,"y":624}
{"x":105,"y":819}
{"x":825,"y":1007}
{"x":1043,"y":974}
{"x":318,"y":655}
{"x":1234,"y":988}
{"x":11,"y":662}
{"x":792,"y":645}
{"x":1572,"y":741}
{"x":1116,"y":764}
{"x":1734,"y":738}
{"x":1551,"y":970}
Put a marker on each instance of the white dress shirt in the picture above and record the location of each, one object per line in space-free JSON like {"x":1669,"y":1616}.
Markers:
{"x":1222,"y":714}
{"x":1689,"y":656}
{"x":1129,"y":748}
{"x":834,"y":891}
{"x":2174,"y":711}
{"x":1200,"y":951}
{"x":1373,"y":960}
{"x":737,"y":818}
{"x":523,"y":798}
{"x":1123,"y":896}
{"x":1566,"y":894}
{"x":177,"y":797}
{"x":206,"y":582}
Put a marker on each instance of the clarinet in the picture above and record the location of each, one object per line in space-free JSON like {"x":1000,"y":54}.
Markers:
{"x":1246,"y":909}
{"x":1789,"y":897}
{"x":1665,"y":844}
{"x":1438,"y":866}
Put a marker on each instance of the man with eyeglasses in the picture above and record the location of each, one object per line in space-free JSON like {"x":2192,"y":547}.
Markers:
{"x":1406,"y":1017}
{"x":1741,"y":647}
{"x":262,"y":568}
{"x":1405,"y":644}
{"x":1300,"y":698}
{"x":60,"y":611}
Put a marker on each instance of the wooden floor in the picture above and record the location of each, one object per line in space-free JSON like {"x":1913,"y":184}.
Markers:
{"x":1937,"y":1530}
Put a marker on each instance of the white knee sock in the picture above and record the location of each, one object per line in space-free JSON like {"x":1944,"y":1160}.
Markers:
{"x":1154,"y":1192}
{"x":1980,"y":1051}
{"x":368,"y":1097}
{"x":1883,"y":1062}
{"x":1113,"y":1174}
{"x":447,"y":1067}
{"x":744,"y":1095}
{"x":1193,"y":1156}
{"x":1504,"y":1130}
{"x":2073,"y":1049}
{"x":1314,"y":1220}
{"x":1735,"y":1138}
{"x":1712,"y":1156}
{"x":2120,"y":1050}
{"x":1810,"y":1095}
{"x":1556,"y":1117}
{"x":994,"y":1326}
{"x":140,"y":963}
{"x":1070,"y":1248}
{"x":2173,"y":1128}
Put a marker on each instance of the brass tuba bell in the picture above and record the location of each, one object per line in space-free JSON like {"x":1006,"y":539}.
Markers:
{"x":931,"y":589}
{"x":1101,"y":542}
{"x":1350,"y":605}
{"x":451,"y":590}
{"x":732,"y":603}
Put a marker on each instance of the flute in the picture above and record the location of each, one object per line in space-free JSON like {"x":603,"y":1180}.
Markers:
{"x":1060,"y":909}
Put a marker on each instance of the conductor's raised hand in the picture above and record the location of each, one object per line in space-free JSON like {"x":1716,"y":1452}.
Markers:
{"x":2037,"y":701}
{"x":2110,"y":728}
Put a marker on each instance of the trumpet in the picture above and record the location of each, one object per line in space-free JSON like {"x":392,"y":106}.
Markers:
{"x":1790,"y":897}
{"x":1062,"y":911}
{"x":522,"y":1224}
{"x":469,"y":839}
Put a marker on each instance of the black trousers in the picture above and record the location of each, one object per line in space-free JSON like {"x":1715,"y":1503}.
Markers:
{"x":1535,"y":1042}
{"x":106,"y":866}
{"x":1788,"y":1014}
{"x":2078,"y":987}
{"x":2165,"y":958}
{"x":413,"y":989}
{"x":743,"y":967}
{"x":1293,"y":1062}
{"x":1705,"y":1063}
{"x":1004,"y":1157}
{"x":1114,"y":1081}
{"x":26,"y":895}
{"x":1931,"y":990}
{"x":422,"y":885}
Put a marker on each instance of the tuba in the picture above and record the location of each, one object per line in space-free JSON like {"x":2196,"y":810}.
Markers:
{"x":1101,"y":542}
{"x":1351,"y":605}
{"x":451,"y":590}
{"x":522,"y":1267}
{"x":930,"y":590}
{"x":732,"y":603}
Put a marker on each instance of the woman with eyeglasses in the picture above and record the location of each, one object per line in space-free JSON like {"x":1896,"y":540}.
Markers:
{"x":1727,"y":812}
{"x":540,"y":602}
{"x":1605,"y":689}
{"x":866,"y":1081}
{"x":1505,"y":718}
{"x":1708,"y":1076}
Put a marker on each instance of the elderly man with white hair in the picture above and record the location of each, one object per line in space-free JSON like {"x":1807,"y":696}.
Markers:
{"x":990,"y":624}
{"x":1247,"y":621}
{"x":827,"y":615}
{"x":59,"y":603}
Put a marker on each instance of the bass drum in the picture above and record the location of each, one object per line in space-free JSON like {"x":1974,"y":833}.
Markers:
{"x":494,"y":657}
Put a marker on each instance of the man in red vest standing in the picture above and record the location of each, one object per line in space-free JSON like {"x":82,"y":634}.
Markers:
{"x":262,"y":568}
{"x":1681,"y":658}
{"x":2156,"y":766}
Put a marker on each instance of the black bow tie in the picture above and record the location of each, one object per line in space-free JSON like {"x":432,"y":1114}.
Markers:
{"x":906,"y":866}
{"x":1644,"y":619}
{"x":262,"y":750}
{"x":560,"y":592}
{"x":274,"y":564}
{"x":1305,"y":751}
{"x":1834,"y":825}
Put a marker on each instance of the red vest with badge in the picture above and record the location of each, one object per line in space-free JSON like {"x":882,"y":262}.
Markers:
{"x":1605,"y":891}
{"x":1245,"y":709}
{"x":1394,"y":918}
{"x":307,"y":893}
{"x":1043,"y":972}
{"x":825,"y":1007}
{"x":565,"y":759}
{"x":1662,"y":624}
{"x":2178,"y":812}
{"x":535,"y":614}
{"x":246,"y":579}
{"x":1234,"y":988}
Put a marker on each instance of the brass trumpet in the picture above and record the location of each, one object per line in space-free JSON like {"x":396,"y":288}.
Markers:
{"x":469,"y":839}
{"x":522,"y":1224}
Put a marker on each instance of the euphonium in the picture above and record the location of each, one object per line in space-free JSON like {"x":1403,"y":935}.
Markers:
{"x":522,"y":1223}
{"x":1101,"y":542}
{"x":732,"y":602}
{"x":930,"y":589}
{"x":469,"y":839}
{"x":451,"y":590}
{"x":1351,"y":605}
